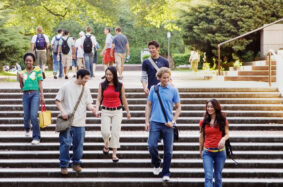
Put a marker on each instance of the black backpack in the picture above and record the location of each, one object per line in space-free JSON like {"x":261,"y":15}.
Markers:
{"x":65,"y":46}
{"x":40,"y":43}
{"x":87,"y":44}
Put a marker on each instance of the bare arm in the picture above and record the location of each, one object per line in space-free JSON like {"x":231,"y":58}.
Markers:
{"x":42,"y":101}
{"x":20,"y":77}
{"x":112,"y":48}
{"x":98,"y":100}
{"x":147,"y":114}
{"x":201,"y":142}
{"x":221,"y":143}
{"x":125,"y":102}
{"x":61,"y":109}
{"x":32,"y":47}
{"x":128,"y":48}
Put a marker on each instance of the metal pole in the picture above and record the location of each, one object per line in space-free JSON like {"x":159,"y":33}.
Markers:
{"x":168,"y":48}
{"x":218,"y":53}
{"x":269,"y":69}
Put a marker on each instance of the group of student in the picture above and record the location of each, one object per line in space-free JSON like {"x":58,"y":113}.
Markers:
{"x":110,"y":102}
{"x":81,"y":53}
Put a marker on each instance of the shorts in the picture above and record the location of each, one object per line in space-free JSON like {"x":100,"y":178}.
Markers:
{"x":66,"y":60}
{"x":107,"y":56}
{"x":120,"y":59}
{"x":40,"y":58}
{"x":80,"y":62}
{"x":74,"y":62}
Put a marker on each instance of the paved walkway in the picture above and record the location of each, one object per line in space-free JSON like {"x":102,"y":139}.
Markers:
{"x":181,"y":79}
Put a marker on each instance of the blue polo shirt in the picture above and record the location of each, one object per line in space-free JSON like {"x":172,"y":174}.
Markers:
{"x":150,"y":70}
{"x":169,"y":95}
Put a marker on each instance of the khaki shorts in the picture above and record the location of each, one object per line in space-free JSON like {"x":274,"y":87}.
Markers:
{"x":66,"y":60}
{"x":120,"y":59}
{"x":80,"y":62}
{"x":40,"y":58}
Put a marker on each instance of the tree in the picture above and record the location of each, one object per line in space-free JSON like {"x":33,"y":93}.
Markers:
{"x":207,"y":25}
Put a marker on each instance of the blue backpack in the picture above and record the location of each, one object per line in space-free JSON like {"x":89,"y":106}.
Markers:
{"x":40,"y":43}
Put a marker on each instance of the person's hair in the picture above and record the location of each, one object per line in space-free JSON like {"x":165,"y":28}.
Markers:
{"x":220,"y":118}
{"x":153,"y":42}
{"x":66,"y":32}
{"x":81,"y":33}
{"x":39,"y":30}
{"x":118,"y":29}
{"x":108,"y":28}
{"x":82,"y":73}
{"x":163,"y":70}
{"x":88,"y":29}
{"x":59,"y":31}
{"x":115,"y":78}
{"x":29,"y":54}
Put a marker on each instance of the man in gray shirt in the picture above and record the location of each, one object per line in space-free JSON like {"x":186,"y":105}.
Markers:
{"x":120,"y":44}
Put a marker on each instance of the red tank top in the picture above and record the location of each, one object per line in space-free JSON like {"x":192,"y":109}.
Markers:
{"x":212,"y":135}
{"x":111,"y":99}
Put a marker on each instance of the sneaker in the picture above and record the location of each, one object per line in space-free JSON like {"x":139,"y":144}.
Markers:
{"x":35,"y":142}
{"x":166,"y":178}
{"x":55,"y":77}
{"x":27,"y":134}
{"x":66,"y":77}
{"x":74,"y":76}
{"x":156,"y":171}
{"x":64,"y":171}
{"x":77,"y":168}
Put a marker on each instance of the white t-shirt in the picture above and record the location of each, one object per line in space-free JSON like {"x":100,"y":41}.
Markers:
{"x":53,"y":39}
{"x":109,"y":40}
{"x":93,"y":40}
{"x":70,"y":43}
{"x":79,"y":47}
{"x":33,"y":40}
{"x":68,"y":95}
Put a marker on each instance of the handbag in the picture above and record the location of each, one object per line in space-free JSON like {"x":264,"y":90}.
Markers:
{"x":64,"y":124}
{"x":176,"y":131}
{"x":44,"y":117}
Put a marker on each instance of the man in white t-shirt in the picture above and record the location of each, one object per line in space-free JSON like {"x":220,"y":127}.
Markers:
{"x":40,"y":44}
{"x":66,"y":100}
{"x":88,"y":44}
{"x":80,"y":51}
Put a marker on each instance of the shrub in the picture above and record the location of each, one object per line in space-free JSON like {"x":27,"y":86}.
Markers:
{"x":181,"y":59}
{"x":145,"y":57}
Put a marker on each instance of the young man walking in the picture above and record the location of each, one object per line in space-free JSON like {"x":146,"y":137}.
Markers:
{"x":57,"y":64}
{"x":108,"y":59}
{"x":120,"y":44}
{"x":66,"y":100}
{"x":67,"y":47}
{"x":40,"y":44}
{"x":150,"y":65}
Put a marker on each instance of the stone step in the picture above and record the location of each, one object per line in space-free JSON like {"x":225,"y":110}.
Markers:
{"x":137,"y":172}
{"x":128,"y":146}
{"x":252,"y":100}
{"x":190,"y":107}
{"x":246,"y":73}
{"x":251,"y":68}
{"x":258,"y":154}
{"x":123,"y":163}
{"x":189,"y":120}
{"x":249,"y":78}
{"x":260,"y":63}
{"x":140,"y":127}
{"x":137,"y":182}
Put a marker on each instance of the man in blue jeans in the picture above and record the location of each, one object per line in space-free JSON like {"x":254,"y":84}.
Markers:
{"x":158,"y":127}
{"x":66,"y":100}
{"x":57,"y":64}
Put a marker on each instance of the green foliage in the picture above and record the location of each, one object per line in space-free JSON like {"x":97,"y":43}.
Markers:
{"x":181,"y":59}
{"x":145,"y":57}
{"x":205,"y":26}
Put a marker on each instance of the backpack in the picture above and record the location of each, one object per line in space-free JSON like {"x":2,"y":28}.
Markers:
{"x":56,"y":44}
{"x":65,"y":46}
{"x":40,"y":43}
{"x":119,"y":89}
{"x":87,"y":44}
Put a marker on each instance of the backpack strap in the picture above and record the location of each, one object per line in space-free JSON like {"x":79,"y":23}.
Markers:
{"x":160,"y":101}
{"x":153,"y":64}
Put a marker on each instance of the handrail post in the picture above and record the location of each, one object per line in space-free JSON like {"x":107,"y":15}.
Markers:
{"x":218,"y":53}
{"x":269,"y":68}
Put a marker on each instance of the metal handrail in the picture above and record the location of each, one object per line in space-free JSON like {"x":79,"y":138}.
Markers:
{"x":241,"y":36}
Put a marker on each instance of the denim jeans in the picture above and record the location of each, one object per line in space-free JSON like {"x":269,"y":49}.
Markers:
{"x":31,"y":102}
{"x":213,"y":164}
{"x":156,"y":131}
{"x":57,"y":64}
{"x":88,"y":57}
{"x":73,"y":135}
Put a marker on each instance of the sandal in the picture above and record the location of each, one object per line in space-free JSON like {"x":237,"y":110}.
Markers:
{"x":115,"y":160}
{"x":105,"y":152}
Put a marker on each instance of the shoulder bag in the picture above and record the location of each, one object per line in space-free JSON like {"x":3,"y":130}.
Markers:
{"x":64,"y":124}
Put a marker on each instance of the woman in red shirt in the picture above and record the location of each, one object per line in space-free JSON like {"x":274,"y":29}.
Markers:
{"x":214,"y":132}
{"x":111,"y":95}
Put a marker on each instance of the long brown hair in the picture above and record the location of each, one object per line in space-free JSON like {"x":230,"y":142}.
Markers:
{"x":220,"y":118}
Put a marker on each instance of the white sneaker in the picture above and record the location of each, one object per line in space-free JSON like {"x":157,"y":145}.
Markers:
{"x":35,"y":142}
{"x":166,"y":178}
{"x":156,"y":171}
{"x":28,"y":134}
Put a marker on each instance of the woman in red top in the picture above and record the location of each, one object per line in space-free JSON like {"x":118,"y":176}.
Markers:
{"x":214,"y":132}
{"x":111,"y":95}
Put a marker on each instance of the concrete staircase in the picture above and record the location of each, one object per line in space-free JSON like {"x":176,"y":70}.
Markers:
{"x":256,"y":124}
{"x":252,"y":71}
